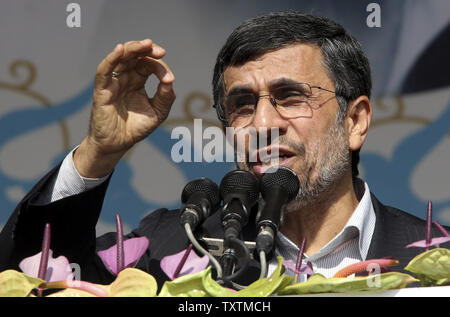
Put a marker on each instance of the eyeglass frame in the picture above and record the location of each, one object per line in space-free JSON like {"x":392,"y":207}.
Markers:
{"x":223,"y":118}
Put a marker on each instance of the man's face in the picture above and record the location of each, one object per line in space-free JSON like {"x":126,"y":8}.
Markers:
{"x":315,"y":146}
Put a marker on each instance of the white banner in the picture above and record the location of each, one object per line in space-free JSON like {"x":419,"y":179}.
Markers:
{"x":50,"y":51}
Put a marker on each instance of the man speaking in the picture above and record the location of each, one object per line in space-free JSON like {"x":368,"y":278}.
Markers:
{"x":302,"y":75}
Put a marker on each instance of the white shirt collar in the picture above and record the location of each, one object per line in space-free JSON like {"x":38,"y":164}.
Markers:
{"x":361,"y":224}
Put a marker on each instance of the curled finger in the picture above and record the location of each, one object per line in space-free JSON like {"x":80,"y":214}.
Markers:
{"x":147,"y":66}
{"x":133,"y":50}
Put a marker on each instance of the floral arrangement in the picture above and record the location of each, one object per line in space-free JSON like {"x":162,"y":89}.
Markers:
{"x":191,"y":276}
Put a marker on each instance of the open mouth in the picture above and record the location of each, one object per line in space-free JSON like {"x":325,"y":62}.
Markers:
{"x":265,"y":158}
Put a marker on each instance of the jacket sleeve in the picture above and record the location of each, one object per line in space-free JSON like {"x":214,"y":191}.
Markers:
{"x":72,"y":220}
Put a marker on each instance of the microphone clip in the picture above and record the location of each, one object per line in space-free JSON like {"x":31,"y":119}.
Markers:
{"x":195,"y":213}
{"x":234,"y":216}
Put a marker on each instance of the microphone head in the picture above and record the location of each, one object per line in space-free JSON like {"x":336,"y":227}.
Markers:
{"x":242,"y":184}
{"x":278,"y":177}
{"x":206,"y":187}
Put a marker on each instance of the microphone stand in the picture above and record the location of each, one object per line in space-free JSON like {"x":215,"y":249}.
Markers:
{"x":235,"y":252}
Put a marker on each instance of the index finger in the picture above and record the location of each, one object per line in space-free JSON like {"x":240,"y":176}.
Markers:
{"x":135,"y":49}
{"x":107,"y":65}
{"x":145,"y":47}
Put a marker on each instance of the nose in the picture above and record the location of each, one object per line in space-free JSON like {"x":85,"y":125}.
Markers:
{"x":267,"y":117}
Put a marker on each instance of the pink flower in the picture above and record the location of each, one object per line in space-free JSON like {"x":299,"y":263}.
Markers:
{"x":425,"y":244}
{"x":429,"y":241}
{"x":183,"y":263}
{"x":124,"y":253}
{"x":304,"y":269}
{"x":57,"y":269}
{"x":133,"y":249}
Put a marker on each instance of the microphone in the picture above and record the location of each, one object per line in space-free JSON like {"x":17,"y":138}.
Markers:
{"x":279,"y":185}
{"x":200,"y":198}
{"x":240,"y":191}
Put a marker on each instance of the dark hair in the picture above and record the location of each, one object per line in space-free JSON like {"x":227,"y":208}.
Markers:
{"x":343,"y":56}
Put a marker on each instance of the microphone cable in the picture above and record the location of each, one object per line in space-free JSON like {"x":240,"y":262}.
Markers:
{"x":196,"y":244}
{"x":200,"y":199}
{"x":263,"y":263}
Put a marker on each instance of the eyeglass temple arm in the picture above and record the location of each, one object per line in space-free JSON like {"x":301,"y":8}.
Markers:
{"x":318,"y":87}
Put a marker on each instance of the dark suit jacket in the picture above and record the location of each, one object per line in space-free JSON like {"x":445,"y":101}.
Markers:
{"x":73,"y":220}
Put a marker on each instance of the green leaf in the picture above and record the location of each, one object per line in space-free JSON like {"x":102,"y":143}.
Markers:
{"x":269,"y":285}
{"x":214,"y":289}
{"x":133,"y":282}
{"x":431,"y":267}
{"x":317,"y":283}
{"x":190,"y":285}
{"x":17,"y":284}
{"x":201,"y":284}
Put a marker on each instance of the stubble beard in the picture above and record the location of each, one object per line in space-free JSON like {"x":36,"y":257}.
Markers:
{"x":331,"y":159}
{"x":326,"y":161}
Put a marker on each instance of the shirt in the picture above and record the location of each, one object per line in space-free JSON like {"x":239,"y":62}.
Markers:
{"x":68,"y":182}
{"x":347,"y":247}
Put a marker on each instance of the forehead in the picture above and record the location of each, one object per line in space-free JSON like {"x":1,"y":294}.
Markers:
{"x":299,"y":62}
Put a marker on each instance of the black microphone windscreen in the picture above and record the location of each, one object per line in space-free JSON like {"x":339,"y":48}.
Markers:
{"x":280,"y":177}
{"x":202,"y":185}
{"x":240,"y":182}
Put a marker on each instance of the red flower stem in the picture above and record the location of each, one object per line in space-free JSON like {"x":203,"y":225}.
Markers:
{"x":298,"y":265}
{"x":79,"y":285}
{"x":182,"y":262}
{"x":441,"y":229}
{"x":362,"y":266}
{"x":429,"y":217}
{"x":120,"y":250}
{"x":44,"y":254}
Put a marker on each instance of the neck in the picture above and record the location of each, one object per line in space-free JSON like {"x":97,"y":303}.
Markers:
{"x":321,"y":220}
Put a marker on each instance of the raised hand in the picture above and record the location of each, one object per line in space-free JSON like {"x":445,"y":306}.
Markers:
{"x":122,"y":112}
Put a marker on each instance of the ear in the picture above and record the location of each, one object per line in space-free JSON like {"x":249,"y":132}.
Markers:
{"x":359,"y":116}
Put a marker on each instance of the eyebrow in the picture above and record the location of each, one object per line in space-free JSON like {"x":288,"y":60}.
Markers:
{"x":237,"y":90}
{"x":242,"y":89}
{"x":283,"y":81}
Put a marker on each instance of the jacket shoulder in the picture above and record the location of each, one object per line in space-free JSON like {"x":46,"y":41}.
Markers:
{"x":394,"y":230}
{"x":402,"y":218}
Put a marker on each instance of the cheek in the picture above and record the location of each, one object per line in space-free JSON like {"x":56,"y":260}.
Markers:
{"x":308,"y":130}
{"x":312,"y":135}
{"x":302,"y":131}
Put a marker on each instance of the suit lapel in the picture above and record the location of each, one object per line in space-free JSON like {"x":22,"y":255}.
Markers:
{"x":386,"y":240}
{"x":391,"y":234}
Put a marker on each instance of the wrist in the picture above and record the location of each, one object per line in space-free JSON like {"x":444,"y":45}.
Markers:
{"x":91,"y":162}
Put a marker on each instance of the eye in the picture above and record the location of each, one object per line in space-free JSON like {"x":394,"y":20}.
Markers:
{"x":286,"y":93}
{"x":241,"y":103}
{"x":244,"y":100}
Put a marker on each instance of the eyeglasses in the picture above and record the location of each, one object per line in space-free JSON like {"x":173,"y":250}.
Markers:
{"x":291,"y":101}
